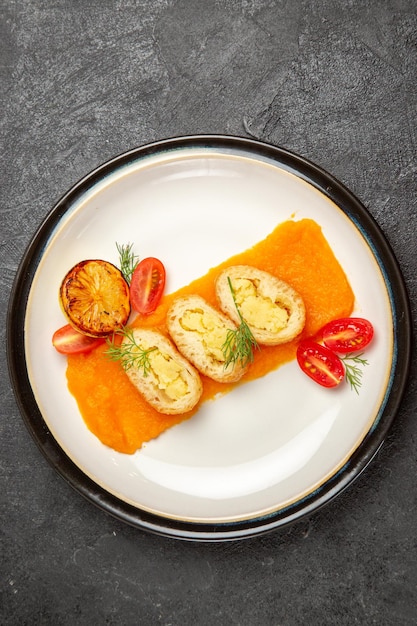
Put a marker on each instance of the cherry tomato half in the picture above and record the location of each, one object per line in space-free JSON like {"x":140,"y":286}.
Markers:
{"x":320,"y":363}
{"x":67,"y":340}
{"x":348,"y":334}
{"x":147,"y":285}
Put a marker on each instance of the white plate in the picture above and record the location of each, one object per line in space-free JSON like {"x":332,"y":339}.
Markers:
{"x":273,"y":449}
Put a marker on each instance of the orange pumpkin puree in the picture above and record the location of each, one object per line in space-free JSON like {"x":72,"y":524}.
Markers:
{"x":295,"y":252}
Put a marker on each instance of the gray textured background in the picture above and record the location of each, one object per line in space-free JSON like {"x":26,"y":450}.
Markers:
{"x":84,"y":81}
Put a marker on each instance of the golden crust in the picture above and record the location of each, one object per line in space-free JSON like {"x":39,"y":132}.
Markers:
{"x":203,"y":347}
{"x":168,"y":371}
{"x":269,"y":294}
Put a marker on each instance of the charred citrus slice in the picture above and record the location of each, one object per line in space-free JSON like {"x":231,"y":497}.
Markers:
{"x":95,"y":298}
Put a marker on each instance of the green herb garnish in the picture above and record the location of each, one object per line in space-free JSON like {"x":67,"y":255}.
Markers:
{"x":353,"y":372}
{"x":127,"y":260}
{"x":240,"y":343}
{"x":129,"y":353}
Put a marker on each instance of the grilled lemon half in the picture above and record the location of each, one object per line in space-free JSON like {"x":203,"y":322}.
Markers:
{"x":95,"y":298}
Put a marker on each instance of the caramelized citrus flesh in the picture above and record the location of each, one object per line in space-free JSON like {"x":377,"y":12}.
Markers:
{"x":95,"y":298}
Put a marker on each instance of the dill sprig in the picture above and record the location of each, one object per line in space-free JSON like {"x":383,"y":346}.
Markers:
{"x":240,"y":342}
{"x":353,"y":371}
{"x":127,"y":260}
{"x":129,"y":353}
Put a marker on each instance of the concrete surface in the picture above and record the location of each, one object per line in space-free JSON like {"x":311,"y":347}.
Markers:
{"x":84,"y":81}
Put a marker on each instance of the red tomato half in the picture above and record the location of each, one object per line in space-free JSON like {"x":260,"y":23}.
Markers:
{"x":348,"y":334}
{"x":320,"y":363}
{"x":67,"y":340}
{"x":147,"y":285}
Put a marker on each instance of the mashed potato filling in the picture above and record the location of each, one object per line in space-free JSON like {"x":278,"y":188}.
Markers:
{"x":212,"y":330}
{"x":166,"y":373}
{"x":257,"y":309}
